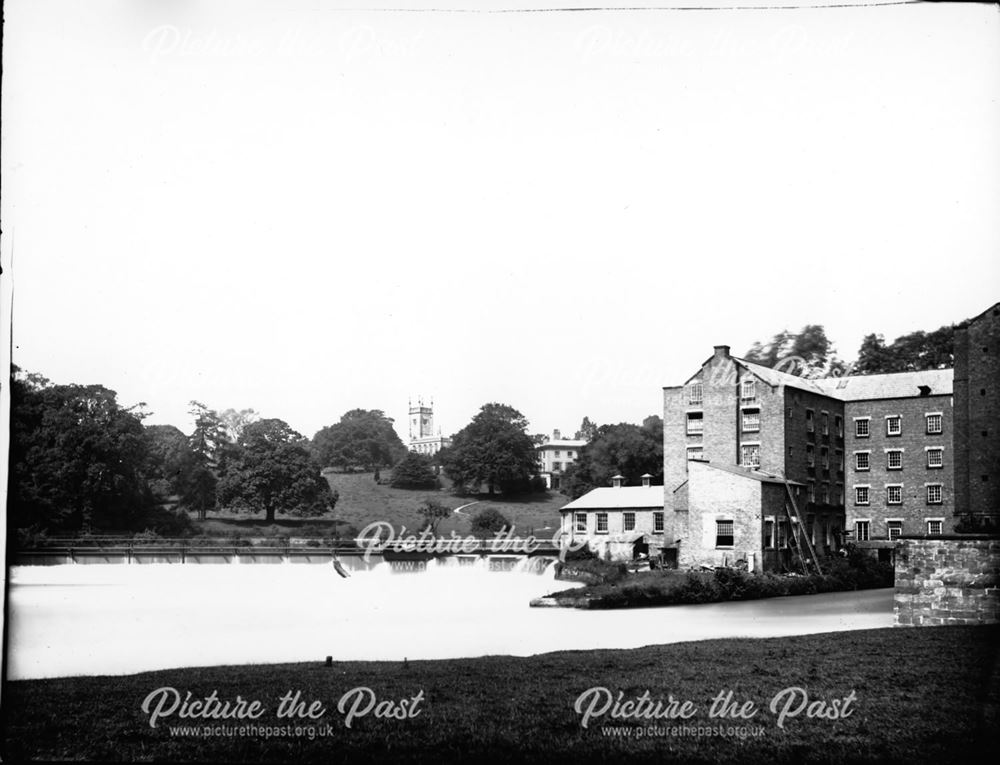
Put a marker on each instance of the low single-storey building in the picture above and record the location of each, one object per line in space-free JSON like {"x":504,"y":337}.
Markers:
{"x":734,"y":516}
{"x":618,"y":522}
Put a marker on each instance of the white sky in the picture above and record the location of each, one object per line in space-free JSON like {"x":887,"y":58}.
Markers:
{"x":303,"y":210}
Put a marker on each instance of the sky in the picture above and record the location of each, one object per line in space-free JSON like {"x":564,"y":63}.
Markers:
{"x":307,"y":207}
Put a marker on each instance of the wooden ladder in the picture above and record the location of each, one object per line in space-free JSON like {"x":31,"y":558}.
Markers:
{"x":798,"y":529}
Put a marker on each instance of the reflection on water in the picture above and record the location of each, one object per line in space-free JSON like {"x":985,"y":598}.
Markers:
{"x":88,"y":620}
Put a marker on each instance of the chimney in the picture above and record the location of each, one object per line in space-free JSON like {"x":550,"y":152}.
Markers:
{"x":721,"y":351}
{"x":617,"y":481}
{"x":646,"y":478}
{"x":925,"y":390}
{"x":556,"y":435}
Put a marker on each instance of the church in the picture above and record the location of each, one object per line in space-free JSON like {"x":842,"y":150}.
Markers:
{"x":423,"y":439}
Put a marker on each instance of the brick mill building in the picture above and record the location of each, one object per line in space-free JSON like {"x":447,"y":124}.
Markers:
{"x":859,"y":458}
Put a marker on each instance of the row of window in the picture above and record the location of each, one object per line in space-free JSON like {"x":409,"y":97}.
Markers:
{"x":894,"y":459}
{"x":696,"y":392}
{"x":933,"y":425}
{"x":894,"y":528}
{"x":776,"y":534}
{"x":894,"y":494}
{"x":601,"y":522}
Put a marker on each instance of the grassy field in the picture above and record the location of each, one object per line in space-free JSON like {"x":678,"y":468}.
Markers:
{"x":927,"y":695}
{"x":363,"y":501}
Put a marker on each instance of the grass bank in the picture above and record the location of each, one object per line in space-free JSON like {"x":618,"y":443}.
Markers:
{"x":920,"y":695}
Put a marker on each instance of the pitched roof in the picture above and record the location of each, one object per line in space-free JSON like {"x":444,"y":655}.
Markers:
{"x":775,"y":378}
{"x":620,"y":498}
{"x":563,"y":443}
{"x":897,"y":385}
{"x":753,"y":475}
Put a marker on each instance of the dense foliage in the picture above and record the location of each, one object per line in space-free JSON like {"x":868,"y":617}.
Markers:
{"x":623,"y":449}
{"x":910,"y":353}
{"x":362,"y":439}
{"x":489,"y":521}
{"x":414,"y":471}
{"x":494,"y":450}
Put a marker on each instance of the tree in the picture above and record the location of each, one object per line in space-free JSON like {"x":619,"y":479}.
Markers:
{"x":233,"y":422}
{"x":77,"y":458}
{"x":414,"y":471}
{"x":914,"y":352}
{"x":494,"y":449}
{"x":273,"y":471}
{"x":170,"y":462}
{"x":489,"y":520}
{"x":363,"y":437}
{"x":587,"y":430}
{"x":808,"y":353}
{"x":433,"y":512}
{"x":208,"y":444}
{"x":623,"y":449}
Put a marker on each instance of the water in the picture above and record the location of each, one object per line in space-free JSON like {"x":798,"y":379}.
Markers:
{"x":90,"y":620}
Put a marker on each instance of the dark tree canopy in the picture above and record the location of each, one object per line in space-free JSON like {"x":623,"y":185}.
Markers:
{"x":489,"y":521}
{"x":170,"y":460}
{"x":494,"y":449}
{"x":363,"y":438}
{"x":273,"y":471}
{"x":587,"y":430}
{"x":910,"y":353}
{"x":78,"y":459}
{"x":808,"y":352}
{"x":433,"y":512}
{"x":623,"y":449}
{"x":414,"y":471}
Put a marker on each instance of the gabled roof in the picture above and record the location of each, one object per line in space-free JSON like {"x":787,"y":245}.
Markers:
{"x":775,"y":378}
{"x":563,"y":443}
{"x":620,"y":498}
{"x":753,"y":475}
{"x":897,"y":385}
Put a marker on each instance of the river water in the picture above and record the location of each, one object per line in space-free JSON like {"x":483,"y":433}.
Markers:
{"x":115,"y":619}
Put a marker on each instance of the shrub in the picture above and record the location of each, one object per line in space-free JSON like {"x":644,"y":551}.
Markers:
{"x":414,"y":471}
{"x":489,"y":520}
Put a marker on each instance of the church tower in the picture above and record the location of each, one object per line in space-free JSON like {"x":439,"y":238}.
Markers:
{"x":421,"y":420}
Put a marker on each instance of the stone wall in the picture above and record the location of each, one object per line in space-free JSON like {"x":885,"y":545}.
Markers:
{"x":944,"y":581}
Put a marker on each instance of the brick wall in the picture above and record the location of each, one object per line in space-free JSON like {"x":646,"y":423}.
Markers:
{"x":914,"y":475}
{"x":947,"y":581}
{"x":712,"y":496}
{"x":977,"y":415}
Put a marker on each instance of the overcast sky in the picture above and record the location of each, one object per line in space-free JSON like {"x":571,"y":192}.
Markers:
{"x":304,"y":210}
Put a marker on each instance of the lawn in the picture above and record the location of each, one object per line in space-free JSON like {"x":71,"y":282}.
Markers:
{"x":919,"y":695}
{"x":362,"y":501}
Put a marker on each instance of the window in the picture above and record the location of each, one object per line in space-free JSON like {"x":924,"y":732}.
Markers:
{"x":861,"y":461}
{"x":695,"y":423}
{"x":556,"y":453}
{"x":839,"y":459}
{"x":749,"y":391}
{"x":824,"y":457}
{"x":894,"y":529}
{"x":811,"y":489}
{"x":696,"y":392}
{"x":570,"y":454}
{"x":602,"y":523}
{"x":934,"y":527}
{"x":768,"y":535}
{"x":862,"y":531}
{"x":824,"y":423}
{"x":751,"y":421}
{"x":810,"y":422}
{"x":861,"y":495}
{"x":861,"y":429}
{"x":838,"y":425}
{"x":581,"y":523}
{"x":894,"y":459}
{"x":893,"y":425}
{"x":894,"y":494}
{"x":750,"y":455}
{"x":695,"y":452}
{"x":826,"y":494}
{"x":723,"y":533}
{"x":556,"y":467}
{"x":658,"y":522}
{"x":628,"y":521}
{"x":934,"y":494}
{"x":810,"y":456}
{"x":782,"y":541}
{"x":934,"y":423}
{"x":935,"y":458}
